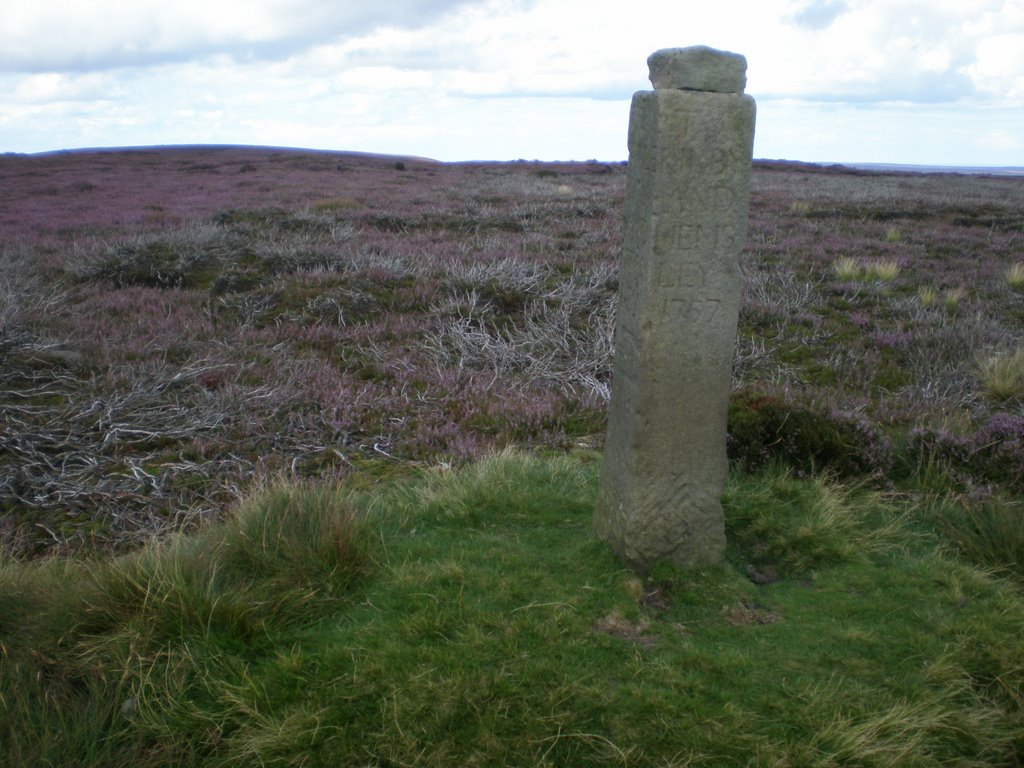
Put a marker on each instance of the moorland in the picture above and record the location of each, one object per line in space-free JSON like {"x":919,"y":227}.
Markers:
{"x":299,"y":449}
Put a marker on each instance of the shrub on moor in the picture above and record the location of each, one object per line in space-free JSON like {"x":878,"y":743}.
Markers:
{"x":993,"y":453}
{"x":766,"y":429}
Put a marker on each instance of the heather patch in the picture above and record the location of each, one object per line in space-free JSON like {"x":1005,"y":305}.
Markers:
{"x":991,"y":453}
{"x":766,"y":429}
{"x":265,"y":313}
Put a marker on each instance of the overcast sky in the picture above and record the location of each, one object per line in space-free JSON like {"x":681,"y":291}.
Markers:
{"x":937,"y":82}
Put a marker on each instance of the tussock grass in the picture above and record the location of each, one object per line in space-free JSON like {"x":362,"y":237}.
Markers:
{"x":780,"y":291}
{"x":893,"y":235}
{"x":928,"y":295}
{"x":137,"y":645}
{"x":902,"y":734}
{"x":1015,"y":276}
{"x":469,"y":617}
{"x":989,"y":534}
{"x":1002,"y":376}
{"x":847,"y":268}
{"x":883,"y":270}
{"x":797,"y":526}
{"x":951,"y":298}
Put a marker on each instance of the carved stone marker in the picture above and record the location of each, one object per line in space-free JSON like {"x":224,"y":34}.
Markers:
{"x":687,"y":196}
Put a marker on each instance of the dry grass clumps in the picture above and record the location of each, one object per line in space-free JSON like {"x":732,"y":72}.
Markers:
{"x":883,"y":270}
{"x":952,"y":297}
{"x":847,"y":268}
{"x":1002,"y":376}
{"x":563,"y":334}
{"x":928,"y":296}
{"x":893,"y":235}
{"x":1015,"y":276}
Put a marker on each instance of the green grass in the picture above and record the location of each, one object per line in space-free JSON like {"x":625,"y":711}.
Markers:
{"x":989,"y":534}
{"x":470,"y":618}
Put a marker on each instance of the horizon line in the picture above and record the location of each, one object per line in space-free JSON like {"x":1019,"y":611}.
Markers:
{"x":1007,"y":170}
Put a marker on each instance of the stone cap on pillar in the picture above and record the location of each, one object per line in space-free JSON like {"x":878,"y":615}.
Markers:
{"x":698,"y":68}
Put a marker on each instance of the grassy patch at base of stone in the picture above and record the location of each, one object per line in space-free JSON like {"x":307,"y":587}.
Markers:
{"x":470,"y":618}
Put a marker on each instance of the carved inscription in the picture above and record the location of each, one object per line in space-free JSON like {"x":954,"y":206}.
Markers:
{"x":693,"y":309}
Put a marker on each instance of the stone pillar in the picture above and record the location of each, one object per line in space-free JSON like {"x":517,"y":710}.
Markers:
{"x":687,"y":196}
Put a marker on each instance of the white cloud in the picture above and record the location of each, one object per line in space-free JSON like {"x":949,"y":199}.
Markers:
{"x":893,"y":133}
{"x":50,"y":35}
{"x":1000,"y":140}
{"x":505,"y":78}
{"x":891,"y":50}
{"x":997,"y":70}
{"x":54,"y":86}
{"x":817,"y":14}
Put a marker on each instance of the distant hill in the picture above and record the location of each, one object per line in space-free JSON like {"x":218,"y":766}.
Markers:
{"x":1005,"y":170}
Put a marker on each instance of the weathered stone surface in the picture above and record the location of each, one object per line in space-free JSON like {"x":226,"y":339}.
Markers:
{"x":687,"y":195}
{"x":698,"y":68}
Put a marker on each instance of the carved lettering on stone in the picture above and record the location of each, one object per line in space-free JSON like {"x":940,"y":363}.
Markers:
{"x":687,"y":196}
